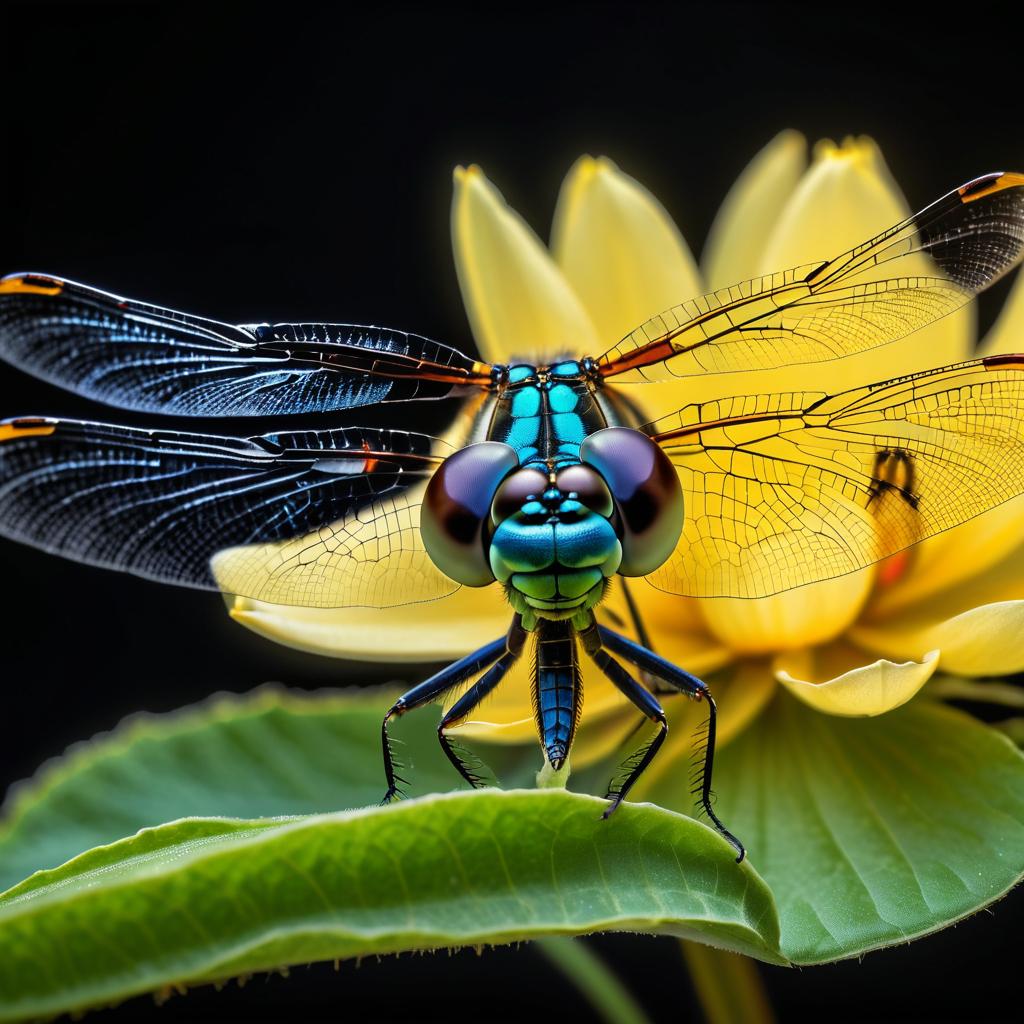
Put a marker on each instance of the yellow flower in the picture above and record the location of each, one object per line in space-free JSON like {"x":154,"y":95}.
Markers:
{"x":859,"y":645}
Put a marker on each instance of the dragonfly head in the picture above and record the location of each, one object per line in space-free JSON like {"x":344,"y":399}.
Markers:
{"x":553,"y":543}
{"x":553,"y":536}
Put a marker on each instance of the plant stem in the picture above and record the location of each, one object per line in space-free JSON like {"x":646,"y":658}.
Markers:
{"x":592,"y":976}
{"x":548,"y":778}
{"x":728,"y":986}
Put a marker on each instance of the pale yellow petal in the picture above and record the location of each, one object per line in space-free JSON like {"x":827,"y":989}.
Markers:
{"x":619,"y":249}
{"x":431,"y":631}
{"x":987,"y":640}
{"x":846,"y":197}
{"x":674,"y":626}
{"x":518,"y":301}
{"x":748,"y":213}
{"x":797,"y":618}
{"x":1007,"y":333}
{"x":506,"y":716}
{"x":971,"y":559}
{"x":857,"y":691}
{"x":740,"y":696}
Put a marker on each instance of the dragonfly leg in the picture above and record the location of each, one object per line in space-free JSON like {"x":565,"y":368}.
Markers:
{"x":694,"y":688}
{"x":514,"y":644}
{"x":429,"y":691}
{"x":644,"y":701}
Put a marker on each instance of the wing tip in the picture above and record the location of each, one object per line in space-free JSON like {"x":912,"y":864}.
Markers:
{"x":26,"y":426}
{"x":988,"y":184}
{"x":31,"y":284}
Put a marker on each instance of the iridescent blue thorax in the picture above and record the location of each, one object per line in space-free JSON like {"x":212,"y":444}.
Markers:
{"x":545,"y":412}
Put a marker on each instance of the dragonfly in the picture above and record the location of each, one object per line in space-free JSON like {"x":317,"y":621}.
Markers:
{"x":557,"y":488}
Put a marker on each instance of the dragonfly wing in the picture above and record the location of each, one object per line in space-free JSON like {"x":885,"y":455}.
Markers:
{"x":788,"y":489}
{"x":884,"y":289}
{"x":310,"y":518}
{"x":138,"y":356}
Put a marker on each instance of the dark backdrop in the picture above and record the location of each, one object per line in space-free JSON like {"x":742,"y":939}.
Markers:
{"x":294,"y":162}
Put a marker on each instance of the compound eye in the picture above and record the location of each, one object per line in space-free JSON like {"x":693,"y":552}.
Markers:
{"x":455,"y":508}
{"x":516,"y":491}
{"x":646,"y":491}
{"x":589,"y":488}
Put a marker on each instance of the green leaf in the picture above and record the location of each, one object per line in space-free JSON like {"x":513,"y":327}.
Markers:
{"x":204,"y":898}
{"x":872,"y":831}
{"x":271,"y":752}
{"x":198,"y":900}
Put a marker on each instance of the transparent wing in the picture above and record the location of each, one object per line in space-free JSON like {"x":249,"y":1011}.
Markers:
{"x":788,"y":489}
{"x":137,"y":356}
{"x":311,"y":518}
{"x":884,"y":289}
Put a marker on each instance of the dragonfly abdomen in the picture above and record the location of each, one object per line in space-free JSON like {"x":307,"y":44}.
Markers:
{"x":557,"y":689}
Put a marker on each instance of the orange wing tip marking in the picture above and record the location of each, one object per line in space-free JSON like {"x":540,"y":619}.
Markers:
{"x":989,"y":183}
{"x":32,"y":284}
{"x":13,"y":429}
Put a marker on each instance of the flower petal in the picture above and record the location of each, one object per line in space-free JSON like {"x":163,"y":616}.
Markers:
{"x":1007,"y":333}
{"x":857,"y":690}
{"x":619,"y":249}
{"x":968,"y":563}
{"x":506,"y":716}
{"x":432,"y":631}
{"x":674,"y":625}
{"x":439,"y":630}
{"x":519,"y":303}
{"x":797,"y":618}
{"x":984,"y":641}
{"x":847,"y":196}
{"x":748,"y":213}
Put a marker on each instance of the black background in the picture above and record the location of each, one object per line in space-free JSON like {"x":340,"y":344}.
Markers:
{"x":291,"y":162}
